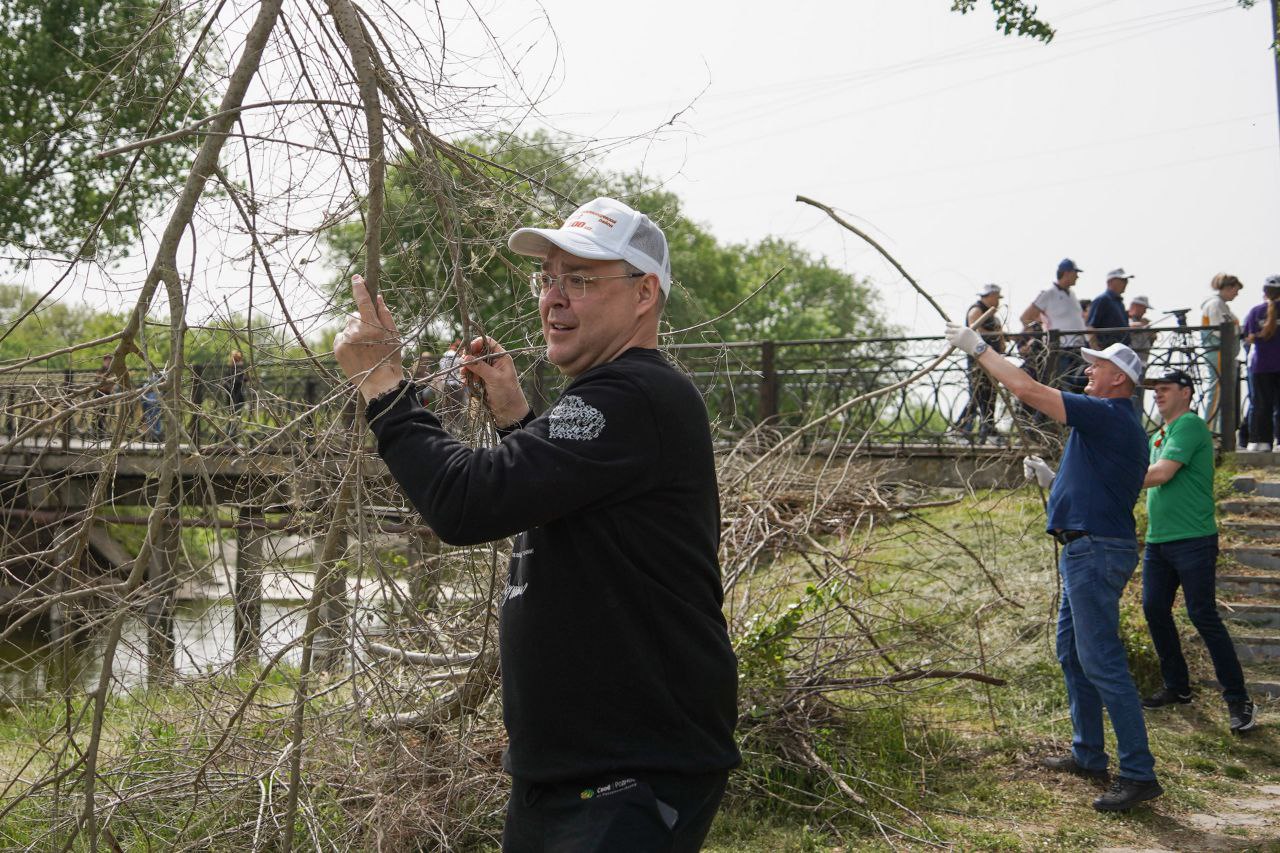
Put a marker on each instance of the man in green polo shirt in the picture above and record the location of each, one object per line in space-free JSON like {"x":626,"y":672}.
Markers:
{"x":1182,"y":550}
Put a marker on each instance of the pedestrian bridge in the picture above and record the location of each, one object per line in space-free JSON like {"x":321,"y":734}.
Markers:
{"x":81,"y":465}
{"x":306,"y":405}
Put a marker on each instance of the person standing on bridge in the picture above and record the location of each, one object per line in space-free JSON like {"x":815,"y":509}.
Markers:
{"x":104,"y":386}
{"x":1059,"y":310}
{"x":1215,"y":311}
{"x":1090,"y":513}
{"x":618,"y":678}
{"x":1261,"y":325}
{"x":981,"y":408}
{"x":1182,"y":551}
{"x":1108,"y":312}
{"x":234,"y":386}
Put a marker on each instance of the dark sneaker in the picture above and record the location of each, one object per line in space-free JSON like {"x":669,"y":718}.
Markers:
{"x":1124,"y":794}
{"x":1067,"y":764}
{"x":1165,"y":696}
{"x":1242,"y":718}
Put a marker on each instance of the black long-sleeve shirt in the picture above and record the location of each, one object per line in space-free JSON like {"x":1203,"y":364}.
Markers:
{"x":614,"y":650}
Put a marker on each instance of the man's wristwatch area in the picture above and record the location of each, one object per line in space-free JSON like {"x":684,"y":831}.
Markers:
{"x":980,"y":349}
{"x":381,"y":401}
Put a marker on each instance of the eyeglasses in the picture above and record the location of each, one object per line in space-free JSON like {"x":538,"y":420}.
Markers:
{"x":571,"y":285}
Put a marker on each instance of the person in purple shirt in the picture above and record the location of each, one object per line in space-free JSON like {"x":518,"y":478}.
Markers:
{"x":1260,"y":327}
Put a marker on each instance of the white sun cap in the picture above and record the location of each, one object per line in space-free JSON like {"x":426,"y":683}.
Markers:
{"x":603,"y":230}
{"x":1119,"y":355}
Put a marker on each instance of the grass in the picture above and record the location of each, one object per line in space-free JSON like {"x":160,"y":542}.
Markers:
{"x":939,"y":763}
{"x":960,"y":781}
{"x":148,"y":736}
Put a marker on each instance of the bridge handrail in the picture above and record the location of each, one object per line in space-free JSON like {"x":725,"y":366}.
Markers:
{"x":745,"y":383}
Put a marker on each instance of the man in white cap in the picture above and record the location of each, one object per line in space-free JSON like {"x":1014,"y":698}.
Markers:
{"x":1090,"y":513}
{"x":618,"y":678}
{"x":981,"y":408}
{"x":1108,"y":311}
{"x":1140,"y":341}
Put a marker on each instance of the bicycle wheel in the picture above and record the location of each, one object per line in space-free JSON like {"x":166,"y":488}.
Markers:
{"x":1200,"y":366}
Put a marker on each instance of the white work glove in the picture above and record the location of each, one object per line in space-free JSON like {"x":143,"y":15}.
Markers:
{"x":1035,"y":468}
{"x":963,"y":338}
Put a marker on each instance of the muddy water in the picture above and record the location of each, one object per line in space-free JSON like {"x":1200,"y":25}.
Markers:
{"x":30,"y":666}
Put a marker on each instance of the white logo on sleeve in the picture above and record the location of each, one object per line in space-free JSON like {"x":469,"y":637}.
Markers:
{"x":576,"y":420}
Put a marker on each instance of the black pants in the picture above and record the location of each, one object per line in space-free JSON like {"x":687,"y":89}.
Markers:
{"x":644,"y":813}
{"x":1262,"y":406}
{"x":1192,"y":565}
{"x":1069,"y":370}
{"x":981,"y":408}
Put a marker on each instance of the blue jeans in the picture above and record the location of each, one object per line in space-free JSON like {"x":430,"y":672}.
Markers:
{"x":1191,"y":563}
{"x":1094,"y":572}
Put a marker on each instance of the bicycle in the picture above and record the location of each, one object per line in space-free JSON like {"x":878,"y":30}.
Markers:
{"x":1178,"y":349}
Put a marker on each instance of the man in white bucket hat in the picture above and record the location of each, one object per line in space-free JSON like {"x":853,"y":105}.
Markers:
{"x":1090,"y":513}
{"x":618,"y":678}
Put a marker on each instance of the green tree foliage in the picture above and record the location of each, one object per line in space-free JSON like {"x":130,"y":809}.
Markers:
{"x":77,"y":77}
{"x":1012,"y":16}
{"x":809,"y":298}
{"x":1022,"y":18}
{"x":54,"y":326}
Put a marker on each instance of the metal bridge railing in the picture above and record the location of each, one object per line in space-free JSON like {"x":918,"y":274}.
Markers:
{"x":745,"y":384}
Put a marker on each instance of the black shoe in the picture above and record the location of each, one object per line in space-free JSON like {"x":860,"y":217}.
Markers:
{"x":1067,"y":764}
{"x":1165,"y":696}
{"x":1242,"y":718}
{"x":1124,"y":794}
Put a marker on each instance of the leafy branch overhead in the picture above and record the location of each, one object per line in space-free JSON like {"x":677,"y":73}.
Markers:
{"x":809,"y":299}
{"x":1018,"y":17}
{"x":80,"y":75}
{"x":1013,"y":17}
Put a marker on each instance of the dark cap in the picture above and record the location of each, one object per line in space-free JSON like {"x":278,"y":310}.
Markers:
{"x":1068,"y":265}
{"x":1174,"y":377}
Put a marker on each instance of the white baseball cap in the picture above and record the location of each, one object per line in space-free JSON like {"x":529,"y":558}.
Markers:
{"x":603,"y":230}
{"x":1119,"y":272}
{"x":988,"y":289}
{"x":1141,"y":300}
{"x":1119,"y":355}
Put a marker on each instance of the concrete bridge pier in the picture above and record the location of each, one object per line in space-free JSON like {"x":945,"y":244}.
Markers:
{"x":65,"y":621}
{"x":162,"y":599}
{"x":250,"y":533}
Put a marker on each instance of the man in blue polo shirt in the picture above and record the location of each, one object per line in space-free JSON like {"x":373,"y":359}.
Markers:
{"x":1108,"y":311}
{"x":1091,"y":513}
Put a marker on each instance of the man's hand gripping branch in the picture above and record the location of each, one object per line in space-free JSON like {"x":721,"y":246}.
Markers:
{"x":368,"y":351}
{"x":1034,"y":394}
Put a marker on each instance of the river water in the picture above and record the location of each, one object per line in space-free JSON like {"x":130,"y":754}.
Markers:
{"x":205,"y":633}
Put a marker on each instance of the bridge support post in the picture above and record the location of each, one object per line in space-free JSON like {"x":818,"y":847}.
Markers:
{"x":1229,"y":385}
{"x":68,"y":383}
{"x":333,"y":616}
{"x":768,"y":383}
{"x":331,"y":578}
{"x":162,"y":584}
{"x":70,"y":622}
{"x":424,"y":580}
{"x":197,"y":403}
{"x":248,"y":586}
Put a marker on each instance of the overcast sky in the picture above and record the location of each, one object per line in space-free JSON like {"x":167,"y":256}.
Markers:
{"x":1144,"y":136}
